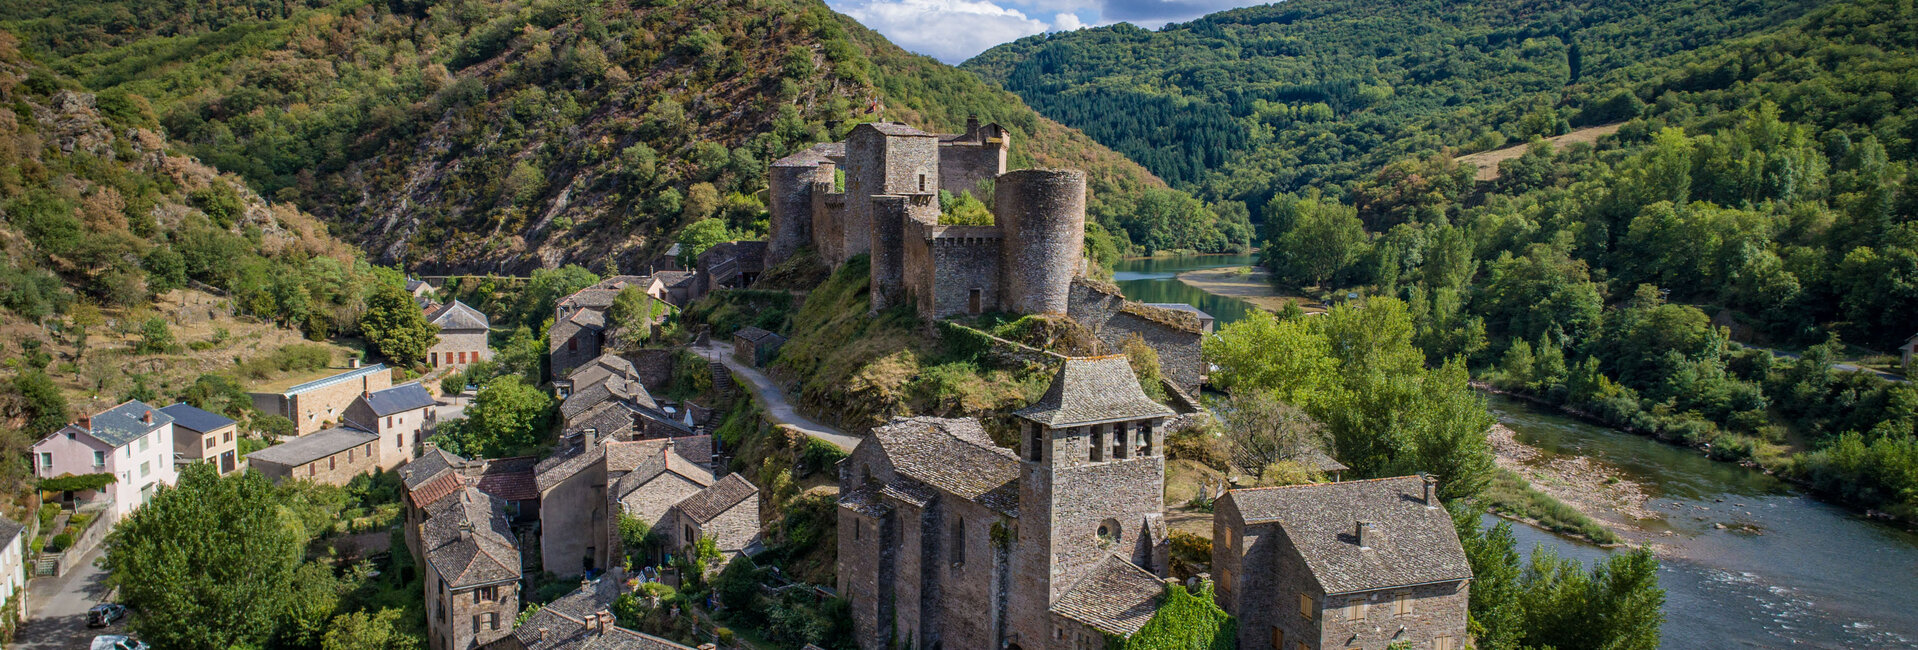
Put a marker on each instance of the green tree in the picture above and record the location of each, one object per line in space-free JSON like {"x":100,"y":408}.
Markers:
{"x":381,"y":630}
{"x":699,"y":236}
{"x":219,"y":394}
{"x":631,"y":316}
{"x":155,"y":336}
{"x":395,"y":327}
{"x":273,"y":427}
{"x":963,"y":210}
{"x":1325,"y":239}
{"x":507,"y":415}
{"x":41,"y":402}
{"x":201,"y":587}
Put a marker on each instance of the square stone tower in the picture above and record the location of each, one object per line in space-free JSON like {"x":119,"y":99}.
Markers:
{"x":1092,"y":486}
{"x":884,"y":158}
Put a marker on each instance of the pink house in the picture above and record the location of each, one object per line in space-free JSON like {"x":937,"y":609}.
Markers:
{"x":132,"y":441}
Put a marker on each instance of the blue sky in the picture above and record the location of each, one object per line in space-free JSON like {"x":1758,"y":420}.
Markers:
{"x":954,"y":30}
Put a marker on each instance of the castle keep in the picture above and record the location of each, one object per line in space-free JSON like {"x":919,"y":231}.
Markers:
{"x":889,"y":208}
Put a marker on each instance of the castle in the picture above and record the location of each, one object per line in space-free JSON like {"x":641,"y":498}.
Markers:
{"x":889,"y":208}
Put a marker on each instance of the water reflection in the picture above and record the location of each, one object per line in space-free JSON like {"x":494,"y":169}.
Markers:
{"x":1155,"y":279}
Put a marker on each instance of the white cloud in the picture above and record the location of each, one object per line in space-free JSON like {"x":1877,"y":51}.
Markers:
{"x":1066,"y":22}
{"x":948,"y":30}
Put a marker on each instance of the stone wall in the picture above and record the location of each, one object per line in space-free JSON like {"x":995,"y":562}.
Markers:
{"x":572,"y":347}
{"x":1042,"y":213}
{"x":447,"y":351}
{"x":733,"y":529}
{"x":1175,"y":335}
{"x":864,"y":554}
{"x":948,"y":265}
{"x":450,"y":616}
{"x":338,"y":469}
{"x":400,"y":433}
{"x":572,"y":522}
{"x":828,"y":214}
{"x":654,"y":365}
{"x":789,"y":198}
{"x":312,"y":410}
{"x":977,"y":155}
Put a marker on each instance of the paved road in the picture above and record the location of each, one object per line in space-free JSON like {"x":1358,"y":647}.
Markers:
{"x":774,"y":400}
{"x":58,"y":615}
{"x":1843,"y":367}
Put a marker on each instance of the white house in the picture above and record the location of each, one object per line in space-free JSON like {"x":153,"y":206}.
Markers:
{"x":13,"y":566}
{"x":132,"y":441}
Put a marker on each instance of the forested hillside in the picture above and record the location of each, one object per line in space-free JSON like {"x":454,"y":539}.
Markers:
{"x":1759,"y":189}
{"x":512,"y":134}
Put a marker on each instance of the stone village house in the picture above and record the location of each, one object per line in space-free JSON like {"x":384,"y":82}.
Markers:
{"x":200,"y":436}
{"x":462,"y":337}
{"x":318,"y":404}
{"x":579,"y":320}
{"x":381,"y":431}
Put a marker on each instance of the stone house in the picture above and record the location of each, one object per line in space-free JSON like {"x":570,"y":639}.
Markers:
{"x":755,"y":347}
{"x":728,"y":265}
{"x":436,"y":474}
{"x":1358,"y":564}
{"x":585,"y":487}
{"x":319,"y":404}
{"x":607,"y":396}
{"x":13,"y":568}
{"x":421,"y":292}
{"x":582,"y":620}
{"x":200,"y":436}
{"x":579,"y":320}
{"x":649,"y":477}
{"x":727,"y":511}
{"x":472,"y":571}
{"x":333,"y":456}
{"x":132,"y":441}
{"x":401,"y":416}
{"x":947,"y":540}
{"x":462,"y":338}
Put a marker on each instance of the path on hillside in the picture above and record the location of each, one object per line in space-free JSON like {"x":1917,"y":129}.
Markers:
{"x":778,"y":408}
{"x":1840,"y":366}
{"x":1487,"y":161}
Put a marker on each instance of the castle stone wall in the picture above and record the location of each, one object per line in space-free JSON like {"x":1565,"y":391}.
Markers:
{"x":828,"y":211}
{"x":949,"y":264}
{"x":1175,"y":335}
{"x":887,"y":164}
{"x":979,"y":154}
{"x":789,"y":190}
{"x":1043,"y":213}
{"x":895,"y":218}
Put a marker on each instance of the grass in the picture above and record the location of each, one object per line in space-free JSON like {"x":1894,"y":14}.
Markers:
{"x":1510,"y":495}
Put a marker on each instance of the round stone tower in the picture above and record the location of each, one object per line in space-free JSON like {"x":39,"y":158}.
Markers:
{"x":789,"y":184}
{"x":1042,"y":213}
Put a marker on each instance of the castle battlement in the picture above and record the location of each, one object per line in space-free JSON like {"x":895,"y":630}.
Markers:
{"x":890,"y":210}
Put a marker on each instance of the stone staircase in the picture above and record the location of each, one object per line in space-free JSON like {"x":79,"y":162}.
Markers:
{"x":722,"y":381}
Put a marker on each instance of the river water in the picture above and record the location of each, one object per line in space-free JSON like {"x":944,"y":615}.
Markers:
{"x":1786,"y":571}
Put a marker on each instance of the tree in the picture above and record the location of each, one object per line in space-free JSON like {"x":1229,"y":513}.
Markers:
{"x":201,"y":587}
{"x":1325,"y":239}
{"x":631,"y":317}
{"x":81,"y":319}
{"x":155,"y":336}
{"x":1261,"y":430}
{"x":273,"y":427}
{"x":219,"y":394}
{"x":699,"y":236}
{"x":379,"y":630}
{"x":41,"y":402}
{"x":507,"y":415}
{"x":395,"y":327}
{"x":963,"y":210}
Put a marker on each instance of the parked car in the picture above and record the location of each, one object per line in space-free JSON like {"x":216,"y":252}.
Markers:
{"x":117,"y":642}
{"x":105,"y":614}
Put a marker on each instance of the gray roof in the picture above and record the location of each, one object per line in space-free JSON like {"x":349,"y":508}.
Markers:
{"x":428,"y":465}
{"x":487,"y":555}
{"x":563,"y":465}
{"x":715,"y":499}
{"x":601,"y":367}
{"x":893,"y":129}
{"x":399,"y":399}
{"x":355,"y":373}
{"x":630,"y":456}
{"x":313,"y":446}
{"x":193,"y":418}
{"x":1179,"y":306}
{"x":560,"y":625}
{"x":1093,"y":390}
{"x":459,"y":316}
{"x":1115,"y":597}
{"x":757,"y":335}
{"x":610,"y":388}
{"x":953,"y":455}
{"x":413,"y":284}
{"x":1411,"y":543}
{"x":807,"y":158}
{"x":9,"y":529}
{"x":126,"y":423}
{"x":1321,"y":461}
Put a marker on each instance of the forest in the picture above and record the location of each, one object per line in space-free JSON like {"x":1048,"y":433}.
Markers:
{"x":1757,"y":195}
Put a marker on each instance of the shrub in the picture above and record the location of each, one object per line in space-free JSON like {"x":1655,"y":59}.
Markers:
{"x":60,"y":543}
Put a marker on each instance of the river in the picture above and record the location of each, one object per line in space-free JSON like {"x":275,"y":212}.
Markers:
{"x":1787,"y":570}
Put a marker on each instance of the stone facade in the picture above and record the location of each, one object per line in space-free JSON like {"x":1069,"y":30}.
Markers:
{"x":332,"y":457}
{"x":578,"y":334}
{"x":319,"y":404}
{"x":472,"y":571}
{"x":1174,"y":334}
{"x":462,"y":337}
{"x":401,"y":416}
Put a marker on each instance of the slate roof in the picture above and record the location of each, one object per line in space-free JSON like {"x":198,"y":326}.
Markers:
{"x":953,"y":455}
{"x":413,"y":284}
{"x":1115,"y":597}
{"x":313,"y":446}
{"x":399,"y":399}
{"x":565,"y":628}
{"x":611,"y":387}
{"x":428,"y":465}
{"x":190,"y":417}
{"x":487,"y":556}
{"x":831,"y":150}
{"x":601,"y":367}
{"x":629,"y":456}
{"x":123,"y":424}
{"x":459,"y":317}
{"x":511,"y":479}
{"x":9,"y":529}
{"x":1321,"y":461}
{"x":863,"y":500}
{"x":757,"y":335}
{"x":1410,"y":543}
{"x":717,"y":498}
{"x":890,"y":128}
{"x":807,"y":158}
{"x":323,"y":382}
{"x":656,"y":464}
{"x":1093,"y":390}
{"x":563,"y":465}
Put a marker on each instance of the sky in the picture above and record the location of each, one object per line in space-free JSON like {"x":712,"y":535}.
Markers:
{"x":955,"y":30}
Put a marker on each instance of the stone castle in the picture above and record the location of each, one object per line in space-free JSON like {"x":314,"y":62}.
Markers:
{"x":889,"y":208}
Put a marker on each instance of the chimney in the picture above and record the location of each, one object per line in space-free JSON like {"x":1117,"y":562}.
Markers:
{"x":544,"y":633}
{"x":366,"y":394}
{"x":605,"y":620}
{"x":147,"y":417}
{"x":353,"y":362}
{"x":466,"y":532}
{"x":586,"y":437}
{"x":1364,"y":534}
{"x":1431,"y":489}
{"x":86,"y":422}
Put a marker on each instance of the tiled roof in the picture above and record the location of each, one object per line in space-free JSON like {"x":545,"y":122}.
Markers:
{"x":1321,"y":461}
{"x":560,"y":625}
{"x":487,"y":555}
{"x":890,"y":128}
{"x":323,"y":382}
{"x":188,"y":416}
{"x":1408,"y":543}
{"x":399,"y":399}
{"x":600,"y":367}
{"x":1093,"y":390}
{"x":611,"y":419}
{"x":955,"y":456}
{"x":459,"y":316}
{"x":511,"y":479}
{"x":428,"y":465}
{"x":9,"y":529}
{"x":717,"y":498}
{"x":830,"y":149}
{"x":563,"y":465}
{"x":126,"y":423}
{"x":608,"y":388}
{"x":757,"y":335}
{"x":313,"y":446}
{"x":1115,"y":597}
{"x":863,"y":500}
{"x":432,"y":491}
{"x":807,"y":158}
{"x":627,"y":456}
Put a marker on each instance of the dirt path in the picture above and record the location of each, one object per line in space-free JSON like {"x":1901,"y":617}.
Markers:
{"x":1487,"y":161}
{"x":774,"y":400}
{"x":1246,"y":283}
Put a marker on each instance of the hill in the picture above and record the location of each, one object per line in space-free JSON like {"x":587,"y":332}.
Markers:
{"x":506,"y":135}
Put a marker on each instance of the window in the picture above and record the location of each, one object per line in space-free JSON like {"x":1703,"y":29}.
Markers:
{"x":484,"y":594}
{"x":211,"y":441}
{"x":143,"y":443}
{"x":46,"y":459}
{"x":476,"y":623}
{"x":1038,"y":443}
{"x":492,"y":620}
{"x":400,"y":442}
{"x":349,"y":454}
{"x":572,"y":344}
{"x":332,"y":462}
{"x":1300,"y":645}
{"x":1278,"y":638}
{"x":312,"y":469}
{"x":1225,"y":580}
{"x":369,"y":450}
{"x":689,"y":539}
{"x":1098,"y":452}
{"x":857,"y":526}
{"x":959,"y":541}
{"x":228,"y":437}
{"x":1402,"y":604}
{"x":1306,"y":607}
{"x":389,"y":420}
{"x":1119,"y":440}
{"x":99,"y":459}
{"x":922,"y":182}
{"x":146,"y":468}
{"x":1355,"y":609}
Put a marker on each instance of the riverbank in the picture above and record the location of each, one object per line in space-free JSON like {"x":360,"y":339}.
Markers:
{"x":1246,"y":283}
{"x":1604,"y":506}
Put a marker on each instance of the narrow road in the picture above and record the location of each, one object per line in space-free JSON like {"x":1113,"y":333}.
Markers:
{"x":1841,"y":367}
{"x":774,"y":400}
{"x":58,"y":615}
